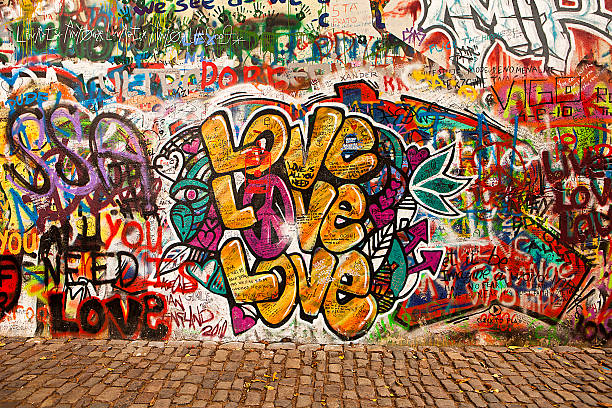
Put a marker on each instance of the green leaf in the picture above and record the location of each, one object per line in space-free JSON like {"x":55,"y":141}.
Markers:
{"x":432,"y":202}
{"x":398,"y":279}
{"x":442,"y":185}
{"x":431,"y":167}
{"x":431,"y":185}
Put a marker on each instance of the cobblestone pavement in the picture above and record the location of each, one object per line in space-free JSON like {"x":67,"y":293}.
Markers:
{"x":102,"y":373}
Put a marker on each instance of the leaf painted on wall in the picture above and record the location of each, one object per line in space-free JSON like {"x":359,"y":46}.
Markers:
{"x":432,"y":186}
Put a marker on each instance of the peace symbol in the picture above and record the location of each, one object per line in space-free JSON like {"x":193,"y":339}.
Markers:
{"x":272,"y":216}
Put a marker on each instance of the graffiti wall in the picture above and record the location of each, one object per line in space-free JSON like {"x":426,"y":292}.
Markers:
{"x":312,"y":170}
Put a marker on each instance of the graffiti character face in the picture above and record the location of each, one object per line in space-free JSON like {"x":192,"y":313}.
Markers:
{"x":192,"y":216}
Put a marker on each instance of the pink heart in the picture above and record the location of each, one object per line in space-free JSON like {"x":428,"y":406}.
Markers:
{"x":192,"y":147}
{"x":206,"y":238}
{"x":390,"y":193}
{"x":385,"y":202}
{"x":209,"y":233}
{"x":416,"y":156}
{"x":395,"y":185}
{"x":381,"y":218}
{"x":240,"y":322}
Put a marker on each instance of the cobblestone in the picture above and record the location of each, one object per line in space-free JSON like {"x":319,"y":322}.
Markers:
{"x":98,"y":373}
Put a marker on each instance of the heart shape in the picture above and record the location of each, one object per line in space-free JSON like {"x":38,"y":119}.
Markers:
{"x":240,"y":322}
{"x":381,"y":218}
{"x":385,"y":202}
{"x":395,"y":185}
{"x":416,"y":156}
{"x":169,"y":166}
{"x":208,"y":239}
{"x":191,"y":147}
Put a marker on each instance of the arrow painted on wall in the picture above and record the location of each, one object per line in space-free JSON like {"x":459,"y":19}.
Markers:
{"x":419,"y":233}
{"x":431,"y":261}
